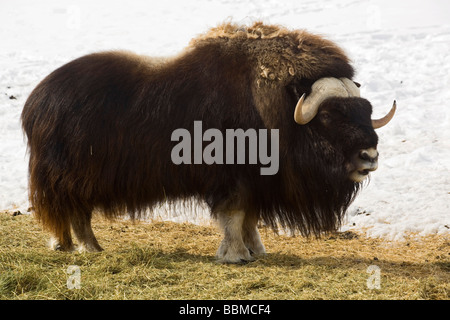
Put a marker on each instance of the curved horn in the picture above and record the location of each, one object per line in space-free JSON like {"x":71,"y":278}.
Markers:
{"x":378,"y":123}
{"x":351,"y":86}
{"x":322,"y":89}
{"x":302,"y":116}
{"x":304,"y":113}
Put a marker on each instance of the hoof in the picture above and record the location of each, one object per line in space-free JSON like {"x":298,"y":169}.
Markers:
{"x":89,"y":248}
{"x":55,"y":245}
{"x":228,"y":256}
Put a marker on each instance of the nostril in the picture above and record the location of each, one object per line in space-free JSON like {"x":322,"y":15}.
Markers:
{"x":364,"y":155}
{"x":368,"y":154}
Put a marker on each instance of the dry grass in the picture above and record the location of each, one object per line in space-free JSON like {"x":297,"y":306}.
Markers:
{"x":176,"y":261}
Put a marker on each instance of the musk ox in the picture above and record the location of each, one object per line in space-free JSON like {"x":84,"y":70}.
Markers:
{"x":99,"y":135}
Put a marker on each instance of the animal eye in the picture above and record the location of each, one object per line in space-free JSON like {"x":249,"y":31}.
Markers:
{"x":325,"y":117}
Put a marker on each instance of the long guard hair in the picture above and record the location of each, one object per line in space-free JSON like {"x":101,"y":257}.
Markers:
{"x":99,"y":130}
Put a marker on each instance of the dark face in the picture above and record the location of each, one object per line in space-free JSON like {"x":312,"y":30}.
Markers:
{"x":346,"y":125}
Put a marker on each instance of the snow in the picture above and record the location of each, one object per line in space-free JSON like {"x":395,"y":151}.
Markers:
{"x":401,"y":51}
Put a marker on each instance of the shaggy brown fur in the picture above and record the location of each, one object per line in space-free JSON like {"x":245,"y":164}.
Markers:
{"x":278,"y":58}
{"x":99,"y":133}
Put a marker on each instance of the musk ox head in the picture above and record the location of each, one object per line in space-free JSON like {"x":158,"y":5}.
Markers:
{"x":335,"y":110}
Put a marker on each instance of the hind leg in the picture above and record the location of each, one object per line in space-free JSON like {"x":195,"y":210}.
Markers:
{"x":62,"y":239}
{"x":81,"y":226}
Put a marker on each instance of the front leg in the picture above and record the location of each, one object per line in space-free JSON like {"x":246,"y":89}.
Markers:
{"x":251,"y":236}
{"x":232,"y":248}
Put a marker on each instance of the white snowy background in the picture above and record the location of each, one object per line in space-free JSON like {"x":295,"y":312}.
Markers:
{"x":400,"y":49}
